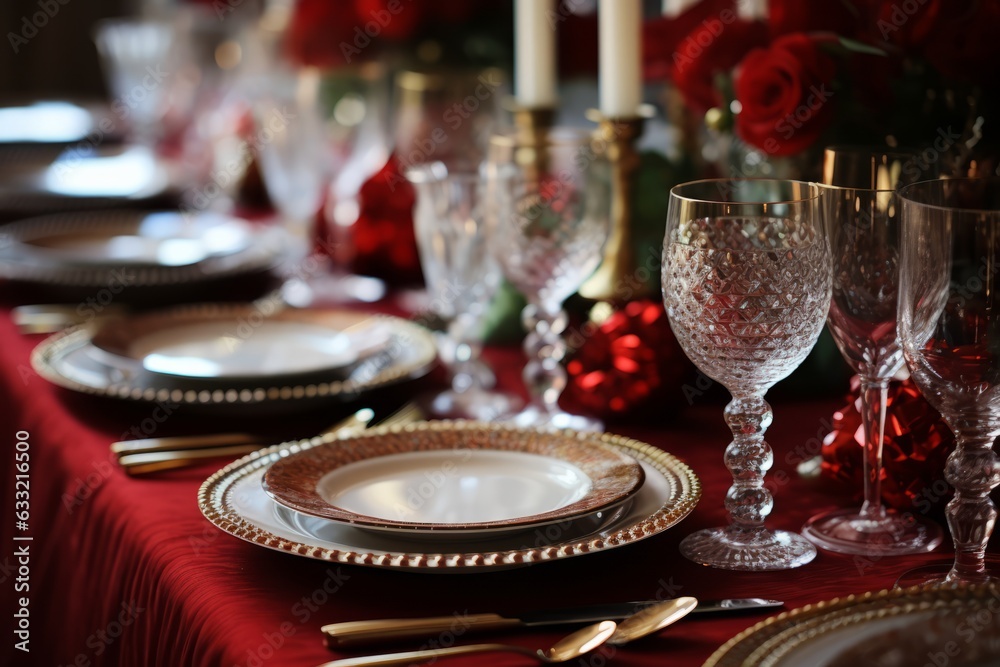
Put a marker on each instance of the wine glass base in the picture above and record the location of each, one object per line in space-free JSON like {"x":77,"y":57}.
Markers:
{"x":332,"y":289}
{"x":847,"y":532}
{"x":935,"y":574}
{"x":535,"y":417}
{"x":478,"y":404}
{"x":770,"y":550}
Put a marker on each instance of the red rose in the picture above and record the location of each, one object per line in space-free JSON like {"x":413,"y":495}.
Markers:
{"x":784,"y":92}
{"x":704,"y":54}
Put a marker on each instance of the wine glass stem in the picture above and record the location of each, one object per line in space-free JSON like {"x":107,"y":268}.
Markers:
{"x":874,"y":396}
{"x":748,"y":457}
{"x":544,"y":375}
{"x":465,"y":365}
{"x":974,"y":470}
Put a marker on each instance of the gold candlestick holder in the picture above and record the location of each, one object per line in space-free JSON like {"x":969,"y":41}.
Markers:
{"x":615,"y":280}
{"x":533,"y":122}
{"x":532,"y":125}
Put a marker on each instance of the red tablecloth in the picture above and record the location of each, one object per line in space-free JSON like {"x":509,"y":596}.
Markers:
{"x":127,"y":572}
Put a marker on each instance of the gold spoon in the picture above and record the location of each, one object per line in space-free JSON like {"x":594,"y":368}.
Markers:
{"x":638,"y":625}
{"x":652,"y":619}
{"x":573,"y":646}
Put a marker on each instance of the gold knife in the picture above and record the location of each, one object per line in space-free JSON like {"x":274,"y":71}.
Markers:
{"x":366,"y":633}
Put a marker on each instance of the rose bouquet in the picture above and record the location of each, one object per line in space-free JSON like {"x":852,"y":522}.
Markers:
{"x":914,"y":73}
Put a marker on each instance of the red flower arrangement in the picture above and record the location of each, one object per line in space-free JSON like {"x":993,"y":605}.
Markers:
{"x":849,"y":70}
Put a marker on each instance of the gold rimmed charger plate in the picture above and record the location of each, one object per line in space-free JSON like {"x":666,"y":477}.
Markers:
{"x":900,"y":626}
{"x":548,"y":479}
{"x":234,"y":501}
{"x":70,"y":359}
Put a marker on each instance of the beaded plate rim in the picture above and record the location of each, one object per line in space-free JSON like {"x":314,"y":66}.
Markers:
{"x":788,"y":630}
{"x":404,"y":333}
{"x":685,"y":492}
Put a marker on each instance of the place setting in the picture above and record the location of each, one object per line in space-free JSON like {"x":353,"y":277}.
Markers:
{"x":371,"y":333}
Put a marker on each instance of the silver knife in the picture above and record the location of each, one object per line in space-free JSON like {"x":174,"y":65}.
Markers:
{"x":366,"y":633}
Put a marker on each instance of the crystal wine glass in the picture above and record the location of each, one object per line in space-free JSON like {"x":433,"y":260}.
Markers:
{"x":294,"y":156}
{"x":861,"y":219}
{"x":301,"y":153}
{"x":550,"y":218}
{"x":462,"y":279}
{"x":746,"y":284}
{"x":949,"y":327}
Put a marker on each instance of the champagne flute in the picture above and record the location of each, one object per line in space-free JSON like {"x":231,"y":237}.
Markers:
{"x":949,"y":326}
{"x":746,"y":284}
{"x":861,"y":214}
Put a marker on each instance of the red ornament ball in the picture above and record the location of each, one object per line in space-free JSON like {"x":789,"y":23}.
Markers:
{"x":626,"y":362}
{"x":917,"y":442}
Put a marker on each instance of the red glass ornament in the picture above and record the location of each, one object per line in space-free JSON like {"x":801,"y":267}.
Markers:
{"x":628,"y":362}
{"x":383,"y":240}
{"x":917,"y":442}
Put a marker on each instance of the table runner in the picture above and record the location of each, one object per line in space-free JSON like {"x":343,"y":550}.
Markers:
{"x":127,"y":572}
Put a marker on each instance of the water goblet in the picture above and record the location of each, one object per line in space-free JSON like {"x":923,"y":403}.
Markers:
{"x":746,"y":285}
{"x":949,"y":327}
{"x":462,"y":279}
{"x":861,"y":219}
{"x":550,"y":217}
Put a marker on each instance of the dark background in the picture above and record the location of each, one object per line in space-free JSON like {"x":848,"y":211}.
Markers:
{"x":61,"y":58}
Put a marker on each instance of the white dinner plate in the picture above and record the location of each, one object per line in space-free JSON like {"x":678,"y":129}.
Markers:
{"x":234,"y":500}
{"x":455,"y":483}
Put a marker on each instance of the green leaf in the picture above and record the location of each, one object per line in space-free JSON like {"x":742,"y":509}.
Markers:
{"x":860,"y":47}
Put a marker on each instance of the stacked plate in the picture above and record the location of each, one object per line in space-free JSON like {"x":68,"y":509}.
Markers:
{"x":451,"y":496}
{"x":227,"y":357}
{"x":136,"y":256}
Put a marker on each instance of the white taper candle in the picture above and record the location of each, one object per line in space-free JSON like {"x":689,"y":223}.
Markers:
{"x":620,"y":47}
{"x":535,"y":53}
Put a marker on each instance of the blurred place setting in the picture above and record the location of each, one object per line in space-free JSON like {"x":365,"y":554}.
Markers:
{"x":373,"y":332}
